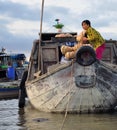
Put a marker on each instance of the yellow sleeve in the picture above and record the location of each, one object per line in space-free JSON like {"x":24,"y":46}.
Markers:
{"x":92,"y":34}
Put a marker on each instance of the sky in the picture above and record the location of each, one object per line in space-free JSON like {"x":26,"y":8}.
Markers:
{"x":20,"y":20}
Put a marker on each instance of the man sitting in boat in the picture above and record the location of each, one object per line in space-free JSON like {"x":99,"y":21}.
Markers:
{"x":89,"y":36}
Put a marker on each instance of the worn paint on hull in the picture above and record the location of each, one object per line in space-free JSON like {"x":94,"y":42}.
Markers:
{"x":63,"y":88}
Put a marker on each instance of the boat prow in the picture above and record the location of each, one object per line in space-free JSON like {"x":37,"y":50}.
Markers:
{"x":75,"y":88}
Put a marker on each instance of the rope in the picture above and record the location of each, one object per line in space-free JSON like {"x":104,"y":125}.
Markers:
{"x":70,"y":87}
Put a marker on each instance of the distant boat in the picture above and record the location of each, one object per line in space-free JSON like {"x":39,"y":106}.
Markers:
{"x":10,"y":76}
{"x":9,"y":90}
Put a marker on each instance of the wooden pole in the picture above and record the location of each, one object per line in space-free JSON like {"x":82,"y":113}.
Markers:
{"x":39,"y":52}
{"x":22,"y":91}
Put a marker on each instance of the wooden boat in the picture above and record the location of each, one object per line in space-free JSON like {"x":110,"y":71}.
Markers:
{"x":9,"y":90}
{"x":71,"y":86}
{"x":75,"y":86}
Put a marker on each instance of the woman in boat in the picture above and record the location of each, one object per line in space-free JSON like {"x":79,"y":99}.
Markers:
{"x":94,"y":38}
{"x":89,"y":36}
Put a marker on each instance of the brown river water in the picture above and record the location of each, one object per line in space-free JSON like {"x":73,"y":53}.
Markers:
{"x":13,"y":118}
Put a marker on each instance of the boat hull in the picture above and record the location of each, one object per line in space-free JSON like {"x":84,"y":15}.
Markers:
{"x":9,"y":90}
{"x":75,"y":89}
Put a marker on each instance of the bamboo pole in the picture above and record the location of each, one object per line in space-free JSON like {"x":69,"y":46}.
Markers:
{"x":39,"y":52}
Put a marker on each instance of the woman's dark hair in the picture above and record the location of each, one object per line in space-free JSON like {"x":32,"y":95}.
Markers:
{"x":87,"y":22}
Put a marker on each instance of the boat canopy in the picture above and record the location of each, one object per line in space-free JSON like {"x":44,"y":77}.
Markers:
{"x":18,"y":56}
